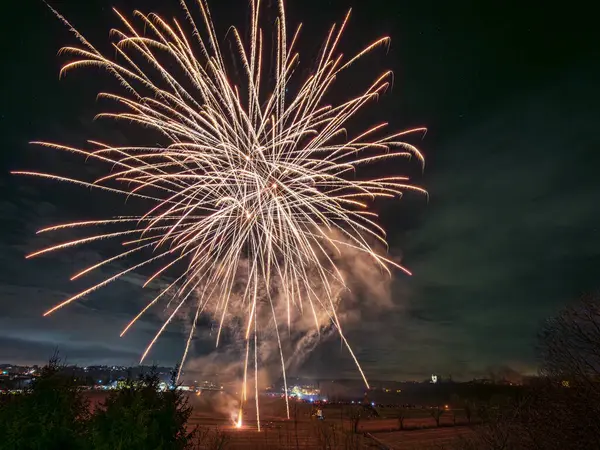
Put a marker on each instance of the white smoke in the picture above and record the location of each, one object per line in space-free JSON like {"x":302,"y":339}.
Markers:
{"x":366,"y":286}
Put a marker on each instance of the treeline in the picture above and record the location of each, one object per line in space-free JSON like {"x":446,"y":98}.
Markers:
{"x":562,"y":410}
{"x":559,"y":410}
{"x":54,"y":414}
{"x":444,"y":393}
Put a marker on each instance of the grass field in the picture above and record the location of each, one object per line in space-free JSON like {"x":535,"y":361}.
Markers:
{"x":424,"y":439}
{"x":213,"y":415}
{"x":335,"y":432}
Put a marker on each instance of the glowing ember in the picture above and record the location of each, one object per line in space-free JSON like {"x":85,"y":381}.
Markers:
{"x":237,"y":418}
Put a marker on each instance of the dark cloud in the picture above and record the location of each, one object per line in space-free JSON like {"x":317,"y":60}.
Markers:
{"x":510,"y":232}
{"x":87,"y":329}
{"x":24,"y":351}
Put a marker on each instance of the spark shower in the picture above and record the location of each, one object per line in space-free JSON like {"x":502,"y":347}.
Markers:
{"x":254,"y":189}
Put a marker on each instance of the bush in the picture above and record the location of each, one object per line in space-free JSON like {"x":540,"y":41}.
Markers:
{"x":561,"y":410}
{"x":51,"y":414}
{"x":141,"y":417}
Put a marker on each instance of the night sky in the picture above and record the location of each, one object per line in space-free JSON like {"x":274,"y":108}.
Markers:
{"x":510,"y":93}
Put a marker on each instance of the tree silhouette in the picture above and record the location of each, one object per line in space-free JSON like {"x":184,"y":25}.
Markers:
{"x":401,"y":414}
{"x":50,"y":415}
{"x":560,"y":411}
{"x":354,"y":414}
{"x":140,"y":416}
{"x":468,"y":409}
{"x":436,"y":413}
{"x":570,"y":345}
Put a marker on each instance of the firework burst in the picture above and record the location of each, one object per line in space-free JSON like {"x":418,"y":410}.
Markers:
{"x":253,"y":190}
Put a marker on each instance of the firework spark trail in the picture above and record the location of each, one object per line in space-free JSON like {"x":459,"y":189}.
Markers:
{"x":245,"y":174}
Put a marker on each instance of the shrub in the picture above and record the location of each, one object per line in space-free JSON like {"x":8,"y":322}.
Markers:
{"x":51,"y":414}
{"x":140,"y":416}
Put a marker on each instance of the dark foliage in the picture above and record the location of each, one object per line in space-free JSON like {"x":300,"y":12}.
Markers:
{"x":51,"y":414}
{"x":401,"y":416}
{"x":436,"y":413}
{"x":561,"y":411}
{"x":139,"y":416}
